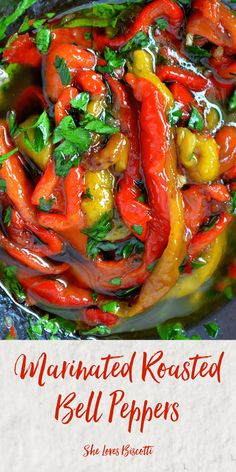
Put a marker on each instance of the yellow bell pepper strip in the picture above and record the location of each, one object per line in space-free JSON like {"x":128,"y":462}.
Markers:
{"x":115,"y":153}
{"x":40,"y":158}
{"x":142,"y":66}
{"x":99,"y":186}
{"x":189,"y":283}
{"x":200,"y":154}
{"x":166,"y":272}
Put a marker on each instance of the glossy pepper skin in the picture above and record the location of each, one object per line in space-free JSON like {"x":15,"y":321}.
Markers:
{"x":188,"y":78}
{"x":215,"y":21}
{"x":55,"y":293}
{"x":23,"y":50}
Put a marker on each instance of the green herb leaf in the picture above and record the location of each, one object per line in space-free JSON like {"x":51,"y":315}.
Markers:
{"x":13,"y":127}
{"x":87,"y":194}
{"x":210,"y":224}
{"x":100,"y":330}
{"x":110,"y":307}
{"x":138,"y":229}
{"x":6,"y":156}
{"x":8,"y":276}
{"x":233,"y":202}
{"x":81,"y":101}
{"x":63,"y":70}
{"x":127,"y":291}
{"x":114,"y":61}
{"x":51,"y":326}
{"x":3,"y":185}
{"x":212,"y":329}
{"x":232,"y":102}
{"x":229,"y":293}
{"x":7,"y":217}
{"x":152,"y":266}
{"x":46,"y":205}
{"x":25,"y":25}
{"x":97,"y":126}
{"x":6,"y":21}
{"x":42,"y":133}
{"x":139,"y":41}
{"x":175,"y":114}
{"x":162,"y":24}
{"x":43,"y":40}
{"x":66,"y":156}
{"x":197,"y":52}
{"x":172,"y":331}
{"x":97,"y":233}
{"x":197,"y":263}
{"x":196,"y":120}
{"x":116,"y":281}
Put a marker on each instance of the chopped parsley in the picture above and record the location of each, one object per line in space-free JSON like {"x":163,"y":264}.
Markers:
{"x":42,"y":133}
{"x":197,"y":52}
{"x":87,"y":194}
{"x":46,"y":205}
{"x":90,"y":123}
{"x":152,"y":266}
{"x":139,"y":41}
{"x":9,"y":279}
{"x":162,"y":24}
{"x":110,"y":307}
{"x":63,"y":70}
{"x":196,"y":120}
{"x":198,"y":263}
{"x":116,"y":281}
{"x":138,"y":229}
{"x":232,"y":101}
{"x":81,"y":101}
{"x":228,"y":292}
{"x":175,"y":114}
{"x":212,"y":329}
{"x":52,"y":327}
{"x":43,"y":40}
{"x":3,"y":185}
{"x":97,"y":233}
{"x":100,"y":330}
{"x":173,"y":331}
{"x":114,"y":61}
{"x":8,"y":216}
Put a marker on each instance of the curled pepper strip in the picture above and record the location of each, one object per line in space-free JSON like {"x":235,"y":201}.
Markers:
{"x":46,"y":185}
{"x":159,"y":8}
{"x":76,"y":58}
{"x":31,"y":259}
{"x":128,"y":191}
{"x":70,"y":224}
{"x":63,"y":106}
{"x":91,"y":82}
{"x":215,"y":21}
{"x":185,"y":77}
{"x":226,"y":140}
{"x":203,"y":239}
{"x":184,"y":98}
{"x":57,"y":294}
{"x":22,"y":50}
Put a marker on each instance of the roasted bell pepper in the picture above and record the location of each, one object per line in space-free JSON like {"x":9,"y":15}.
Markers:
{"x":226,"y":140}
{"x":63,"y":106}
{"x":184,"y":99}
{"x":22,"y":50}
{"x":56,"y":293}
{"x":75,"y":57}
{"x":100,"y":185}
{"x":199,"y":154}
{"x":215,"y":21}
{"x":116,"y":152}
{"x":30,"y":102}
{"x":91,"y":82}
{"x":204,"y":238}
{"x":79,"y":36}
{"x":188,"y":78}
{"x":151,"y":12}
{"x":95,"y":316}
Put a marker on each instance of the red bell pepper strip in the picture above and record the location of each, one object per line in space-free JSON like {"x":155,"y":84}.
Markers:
{"x":232,"y":270}
{"x":230,"y":174}
{"x":19,"y":190}
{"x":17,"y":231}
{"x":225,"y":66}
{"x":226,"y":139}
{"x":22,"y":50}
{"x":195,"y":209}
{"x":58,"y":294}
{"x":154,"y":129}
{"x":75,"y":57}
{"x":202,"y":239}
{"x":70,"y":224}
{"x":28,"y":258}
{"x":94,"y":317}
{"x":91,"y":82}
{"x":184,"y":98}
{"x":46,"y":184}
{"x":63,"y":106}
{"x":130,"y":209}
{"x":154,"y":10}
{"x":185,"y":77}
{"x":215,"y":21}
{"x":72,"y":36}
{"x":217,"y":192}
{"x":31,"y":101}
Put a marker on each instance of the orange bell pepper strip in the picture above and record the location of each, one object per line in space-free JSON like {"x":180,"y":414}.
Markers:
{"x":215,"y":21}
{"x":23,"y":50}
{"x":75,"y":57}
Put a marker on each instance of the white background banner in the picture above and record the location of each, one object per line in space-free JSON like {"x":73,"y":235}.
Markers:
{"x":178,"y":399}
